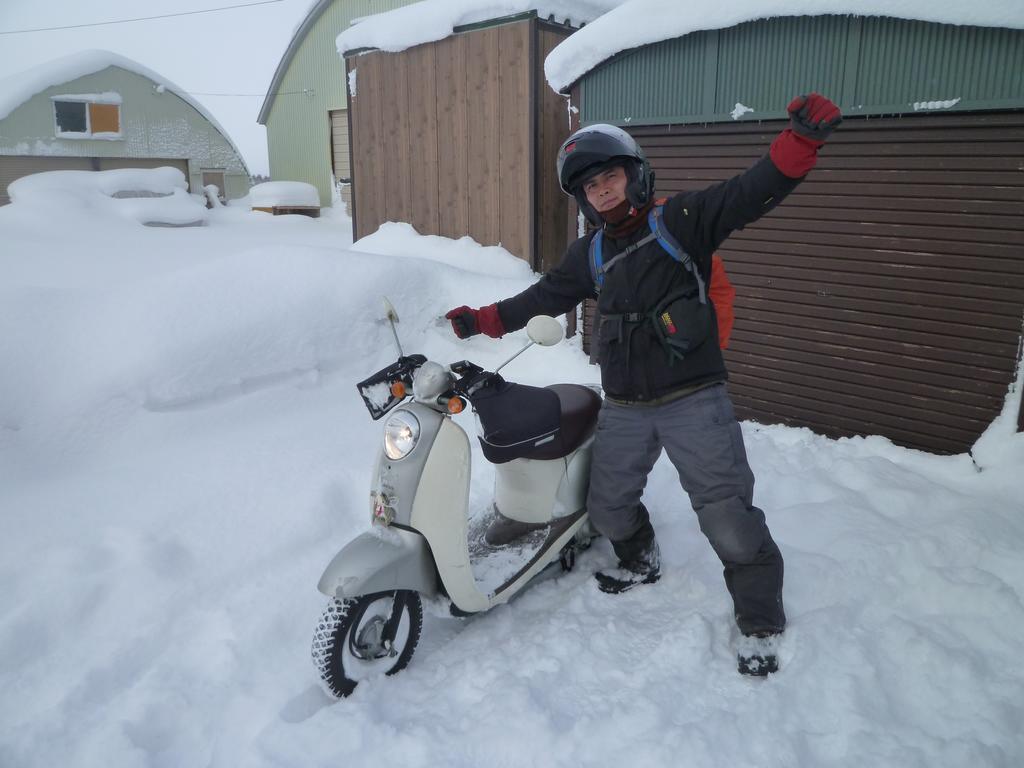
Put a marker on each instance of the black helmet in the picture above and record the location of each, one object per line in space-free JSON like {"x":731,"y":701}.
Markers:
{"x":594,"y":148}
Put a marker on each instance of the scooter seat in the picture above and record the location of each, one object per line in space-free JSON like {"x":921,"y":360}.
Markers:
{"x":523,"y":422}
{"x":580,"y":406}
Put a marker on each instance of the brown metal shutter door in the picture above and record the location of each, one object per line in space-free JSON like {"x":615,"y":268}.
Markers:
{"x":13,"y":167}
{"x":885,"y":296}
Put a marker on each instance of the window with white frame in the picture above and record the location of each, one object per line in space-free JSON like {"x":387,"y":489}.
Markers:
{"x":94,"y":116}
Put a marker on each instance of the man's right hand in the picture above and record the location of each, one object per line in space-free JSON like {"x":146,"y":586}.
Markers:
{"x":468,"y":322}
{"x":463,"y":322}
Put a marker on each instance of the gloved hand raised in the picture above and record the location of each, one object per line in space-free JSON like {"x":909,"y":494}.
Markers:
{"x":468,"y":322}
{"x":811,"y":120}
{"x":813,"y":116}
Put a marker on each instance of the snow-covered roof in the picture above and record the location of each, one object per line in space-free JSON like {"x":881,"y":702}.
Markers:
{"x":431,"y":20}
{"x":16,"y":89}
{"x":634,"y":23}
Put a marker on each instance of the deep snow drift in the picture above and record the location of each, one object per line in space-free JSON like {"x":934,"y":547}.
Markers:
{"x":182,"y":450}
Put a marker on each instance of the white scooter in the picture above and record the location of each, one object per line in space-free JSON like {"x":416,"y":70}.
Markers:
{"x":423,"y":540}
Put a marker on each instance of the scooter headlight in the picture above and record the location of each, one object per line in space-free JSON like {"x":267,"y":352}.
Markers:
{"x":401,"y":433}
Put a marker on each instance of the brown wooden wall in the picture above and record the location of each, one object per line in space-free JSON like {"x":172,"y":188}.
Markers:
{"x":886,"y":295}
{"x":553,"y":128}
{"x":446,"y":136}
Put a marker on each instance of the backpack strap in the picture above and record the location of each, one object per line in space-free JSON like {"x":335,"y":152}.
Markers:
{"x":659,"y":232}
{"x":672,"y":247}
{"x":597,"y":260}
{"x":598,"y":269}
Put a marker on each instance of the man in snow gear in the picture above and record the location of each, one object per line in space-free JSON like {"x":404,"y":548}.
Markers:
{"x":659,"y":396}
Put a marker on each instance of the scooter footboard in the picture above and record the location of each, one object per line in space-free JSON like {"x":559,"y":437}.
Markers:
{"x":373,"y":563}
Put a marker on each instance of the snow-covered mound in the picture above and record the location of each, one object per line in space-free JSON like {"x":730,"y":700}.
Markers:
{"x":464,"y":253}
{"x":224,"y":326}
{"x":284,"y":193}
{"x":152,"y":196}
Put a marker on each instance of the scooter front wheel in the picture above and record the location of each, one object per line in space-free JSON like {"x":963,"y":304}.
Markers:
{"x":367,"y":636}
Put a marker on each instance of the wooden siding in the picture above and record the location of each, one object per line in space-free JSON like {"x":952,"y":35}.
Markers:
{"x":886,"y":295}
{"x":453,"y":113}
{"x":552,"y":129}
{"x":442,"y":138}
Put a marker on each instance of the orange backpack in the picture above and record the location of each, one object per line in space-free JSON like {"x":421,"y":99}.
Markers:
{"x":723,"y":295}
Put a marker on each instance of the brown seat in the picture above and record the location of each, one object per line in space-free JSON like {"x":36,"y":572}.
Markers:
{"x":580,"y":406}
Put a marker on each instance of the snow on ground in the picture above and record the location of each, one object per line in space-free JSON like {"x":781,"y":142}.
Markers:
{"x":182,"y":450}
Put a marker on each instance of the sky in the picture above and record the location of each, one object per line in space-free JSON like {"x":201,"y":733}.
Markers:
{"x":183,"y":451}
{"x":224,"y":52}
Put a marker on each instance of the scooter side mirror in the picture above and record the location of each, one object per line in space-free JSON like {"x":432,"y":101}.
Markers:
{"x":392,"y":318}
{"x":389,"y":310}
{"x":544,"y":330}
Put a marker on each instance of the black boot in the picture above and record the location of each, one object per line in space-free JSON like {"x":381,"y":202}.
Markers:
{"x":757,"y":654}
{"x":639,"y":562}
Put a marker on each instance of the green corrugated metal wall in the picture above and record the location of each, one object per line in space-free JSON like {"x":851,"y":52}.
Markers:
{"x":868,"y":65}
{"x":299,"y":124}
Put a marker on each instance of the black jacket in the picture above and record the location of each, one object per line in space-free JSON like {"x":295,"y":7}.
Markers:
{"x":634,"y":365}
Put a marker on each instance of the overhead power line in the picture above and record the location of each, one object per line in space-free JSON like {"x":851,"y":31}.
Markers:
{"x":254,"y":95}
{"x":140,"y":18}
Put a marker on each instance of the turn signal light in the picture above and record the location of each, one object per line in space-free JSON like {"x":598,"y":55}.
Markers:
{"x":398,"y":389}
{"x":456,"y":405}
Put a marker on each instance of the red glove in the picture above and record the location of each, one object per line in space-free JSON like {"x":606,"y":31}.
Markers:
{"x":811,"y":120}
{"x":813,"y":116}
{"x":468,"y":322}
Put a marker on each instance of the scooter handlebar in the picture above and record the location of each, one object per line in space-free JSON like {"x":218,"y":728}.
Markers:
{"x":463,"y":367}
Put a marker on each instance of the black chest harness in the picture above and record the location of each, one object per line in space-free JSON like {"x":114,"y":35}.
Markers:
{"x":680,"y":320}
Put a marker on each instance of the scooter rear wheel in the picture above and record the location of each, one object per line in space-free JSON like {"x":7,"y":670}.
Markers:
{"x":350,"y":642}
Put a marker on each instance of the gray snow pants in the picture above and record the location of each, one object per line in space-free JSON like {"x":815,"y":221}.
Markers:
{"x":703,"y":440}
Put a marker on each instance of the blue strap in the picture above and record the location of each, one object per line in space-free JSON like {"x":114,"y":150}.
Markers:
{"x":665,"y":239}
{"x":673,"y":248}
{"x":597,"y":259}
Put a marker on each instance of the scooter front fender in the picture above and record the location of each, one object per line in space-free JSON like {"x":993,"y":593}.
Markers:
{"x":378,"y":562}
